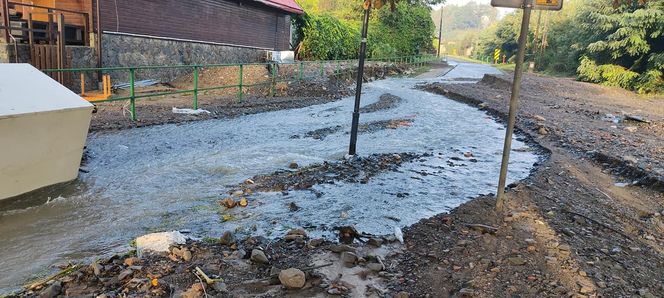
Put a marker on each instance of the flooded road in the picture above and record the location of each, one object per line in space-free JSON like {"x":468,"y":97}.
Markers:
{"x":171,"y":176}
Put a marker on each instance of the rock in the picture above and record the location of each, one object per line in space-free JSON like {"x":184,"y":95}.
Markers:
{"x":348,"y":257}
{"x":259,"y":256}
{"x":402,"y":295}
{"x":186,"y":254}
{"x":131,"y":261}
{"x":341,"y":248}
{"x":631,"y":128}
{"x":293,"y":207}
{"x":543,"y":131}
{"x":377,"y":267}
{"x":125,"y":273}
{"x":292,"y":278}
{"x":182,"y":253}
{"x":158,"y":242}
{"x":227,"y":238}
{"x":539,"y":118}
{"x":376,"y":242}
{"x":298,"y":231}
{"x":96,"y":268}
{"x":586,"y":290}
{"x":195,"y":291}
{"x":564,"y":247}
{"x":220,"y":287}
{"x":293,"y":165}
{"x":516,"y":261}
{"x":466,"y":292}
{"x":315,"y":242}
{"x":51,"y":291}
{"x":630,"y":159}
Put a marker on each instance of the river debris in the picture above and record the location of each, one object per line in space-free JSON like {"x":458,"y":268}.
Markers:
{"x":369,"y":127}
{"x":353,"y":170}
{"x":385,"y":102}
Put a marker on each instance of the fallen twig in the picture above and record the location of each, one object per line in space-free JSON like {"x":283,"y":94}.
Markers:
{"x":605,"y":194}
{"x":208,"y":280}
{"x":482,"y":228}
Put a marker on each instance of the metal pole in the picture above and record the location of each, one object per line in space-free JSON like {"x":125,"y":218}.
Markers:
{"x":274,"y":79}
{"x":239,"y":93}
{"x":358,"y":89}
{"x":440,"y":31}
{"x":132,"y":93}
{"x":195,"y":87}
{"x":99,"y":37}
{"x":516,"y":86}
{"x":299,"y":74}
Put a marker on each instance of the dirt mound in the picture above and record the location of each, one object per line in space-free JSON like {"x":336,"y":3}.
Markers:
{"x":385,"y":102}
{"x":496,"y":81}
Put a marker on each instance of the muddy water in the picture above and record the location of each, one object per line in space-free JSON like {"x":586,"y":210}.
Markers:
{"x":170,"y":177}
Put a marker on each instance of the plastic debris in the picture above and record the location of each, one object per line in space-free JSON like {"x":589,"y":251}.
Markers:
{"x":190,"y":111}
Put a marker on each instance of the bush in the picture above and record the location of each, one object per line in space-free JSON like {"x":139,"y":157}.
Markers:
{"x":383,"y":50}
{"x":607,"y":74}
{"x":327,"y":38}
{"x":651,"y":81}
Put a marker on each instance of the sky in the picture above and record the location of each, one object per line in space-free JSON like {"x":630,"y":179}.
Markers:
{"x":502,"y":11}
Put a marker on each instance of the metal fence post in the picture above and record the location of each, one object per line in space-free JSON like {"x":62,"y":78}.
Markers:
{"x":299,"y":75}
{"x":239,"y":93}
{"x":195,"y":87}
{"x":132,"y":93}
{"x":274,"y":79}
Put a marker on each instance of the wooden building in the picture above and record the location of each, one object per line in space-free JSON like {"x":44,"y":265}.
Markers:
{"x":248,"y":24}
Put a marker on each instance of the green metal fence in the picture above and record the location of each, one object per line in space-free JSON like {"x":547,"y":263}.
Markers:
{"x":297,"y":71}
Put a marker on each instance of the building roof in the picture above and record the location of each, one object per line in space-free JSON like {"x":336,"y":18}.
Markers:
{"x":285,"y":5}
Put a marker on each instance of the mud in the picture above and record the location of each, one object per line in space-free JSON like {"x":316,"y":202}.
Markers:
{"x":352,"y":170}
{"x":370,"y":127}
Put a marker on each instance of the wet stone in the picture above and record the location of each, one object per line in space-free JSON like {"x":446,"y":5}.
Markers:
{"x":51,"y":291}
{"x":348,"y":257}
{"x":341,"y":248}
{"x":227,"y":238}
{"x":259,"y":256}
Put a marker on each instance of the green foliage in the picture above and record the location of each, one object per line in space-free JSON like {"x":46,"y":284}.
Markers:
{"x":611,"y":45}
{"x":408,"y":29}
{"x":330,"y":29}
{"x":383,"y":50}
{"x":328,"y":38}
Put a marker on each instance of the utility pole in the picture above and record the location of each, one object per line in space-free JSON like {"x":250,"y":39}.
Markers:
{"x":360,"y":73}
{"x":516,"y":86}
{"x":440,"y":30}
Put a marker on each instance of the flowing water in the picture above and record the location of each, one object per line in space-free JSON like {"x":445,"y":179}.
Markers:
{"x":170,"y":177}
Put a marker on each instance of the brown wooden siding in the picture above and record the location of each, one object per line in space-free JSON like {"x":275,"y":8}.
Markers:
{"x":220,"y":21}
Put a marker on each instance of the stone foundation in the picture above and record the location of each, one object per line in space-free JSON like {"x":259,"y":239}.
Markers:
{"x":123,"y":51}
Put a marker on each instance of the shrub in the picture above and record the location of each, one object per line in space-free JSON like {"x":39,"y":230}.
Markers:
{"x":383,"y":50}
{"x":327,"y":38}
{"x":651,"y":81}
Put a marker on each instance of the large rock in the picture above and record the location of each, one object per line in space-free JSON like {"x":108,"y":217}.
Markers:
{"x":158,"y":242}
{"x":259,"y":256}
{"x":292,"y":278}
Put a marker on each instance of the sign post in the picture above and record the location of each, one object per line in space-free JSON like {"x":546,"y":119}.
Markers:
{"x":496,"y":55}
{"x":527,"y":6}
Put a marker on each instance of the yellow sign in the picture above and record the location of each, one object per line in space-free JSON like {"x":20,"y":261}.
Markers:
{"x":547,"y":2}
{"x":496,"y":55}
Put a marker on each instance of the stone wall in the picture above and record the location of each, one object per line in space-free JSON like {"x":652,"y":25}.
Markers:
{"x":123,"y":51}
